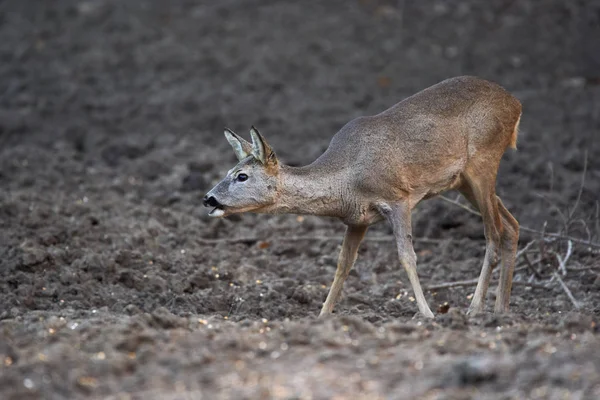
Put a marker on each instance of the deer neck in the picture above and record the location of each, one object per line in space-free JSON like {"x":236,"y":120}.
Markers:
{"x":309,"y":190}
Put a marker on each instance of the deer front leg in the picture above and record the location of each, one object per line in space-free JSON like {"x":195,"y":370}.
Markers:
{"x":398,"y":215}
{"x":354,"y":235}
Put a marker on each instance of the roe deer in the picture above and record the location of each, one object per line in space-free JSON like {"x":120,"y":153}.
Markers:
{"x":449,"y":136}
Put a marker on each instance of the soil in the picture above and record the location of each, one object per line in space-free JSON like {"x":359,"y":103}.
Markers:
{"x":115,"y":284}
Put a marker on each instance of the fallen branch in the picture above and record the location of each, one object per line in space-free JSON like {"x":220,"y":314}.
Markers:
{"x":517,"y":269}
{"x":459,"y":204}
{"x":597,"y":219}
{"x":555,"y":207}
{"x":563,"y":237}
{"x":254,"y":239}
{"x":542,"y":243}
{"x":562,"y":267}
{"x":388,"y":238}
{"x":473,"y":282}
{"x":585,"y":268}
{"x":526,"y":229}
{"x":524,"y":250}
{"x":567,"y":291}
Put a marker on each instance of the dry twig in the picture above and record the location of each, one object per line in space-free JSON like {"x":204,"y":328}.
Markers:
{"x":526,"y":229}
{"x":585,"y":162}
{"x":564,"y":218}
{"x":524,"y":249}
{"x":597,"y":218}
{"x":473,"y":282}
{"x":459,"y":204}
{"x":562,"y":267}
{"x":567,"y":291}
{"x":254,"y":239}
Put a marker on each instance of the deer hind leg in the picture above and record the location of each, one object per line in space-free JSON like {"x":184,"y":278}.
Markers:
{"x":398,"y":216}
{"x":353,"y":238}
{"x":510,"y":239}
{"x":482,"y":195}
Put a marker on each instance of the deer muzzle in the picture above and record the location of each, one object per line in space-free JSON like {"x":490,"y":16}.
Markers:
{"x":211,"y":201}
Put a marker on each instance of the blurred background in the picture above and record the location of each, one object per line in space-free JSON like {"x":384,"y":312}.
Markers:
{"x":143,"y":88}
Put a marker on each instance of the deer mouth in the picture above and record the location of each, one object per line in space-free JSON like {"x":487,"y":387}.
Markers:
{"x":218,"y":211}
{"x":218,"y":207}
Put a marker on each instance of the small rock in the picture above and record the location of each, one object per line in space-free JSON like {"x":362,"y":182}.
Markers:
{"x":472,"y":371}
{"x":575,"y":321}
{"x":155,"y":284}
{"x":132,"y":309}
{"x":163,"y":318}
{"x":127,"y":278}
{"x":453,"y":319}
{"x":33,"y":256}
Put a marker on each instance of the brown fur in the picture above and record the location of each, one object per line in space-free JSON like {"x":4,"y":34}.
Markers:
{"x":449,"y":136}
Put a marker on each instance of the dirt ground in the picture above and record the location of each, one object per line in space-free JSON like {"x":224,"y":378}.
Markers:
{"x":115,"y":284}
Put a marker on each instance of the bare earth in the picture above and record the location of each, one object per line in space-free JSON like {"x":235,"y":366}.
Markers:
{"x":115,"y":284}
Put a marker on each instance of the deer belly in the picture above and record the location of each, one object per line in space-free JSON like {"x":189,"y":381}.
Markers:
{"x":451,"y":180}
{"x":364,"y":216}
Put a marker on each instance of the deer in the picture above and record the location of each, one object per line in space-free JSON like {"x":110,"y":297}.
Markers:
{"x":450,"y":136}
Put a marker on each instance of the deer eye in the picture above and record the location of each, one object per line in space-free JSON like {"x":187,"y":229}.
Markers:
{"x":242,"y":177}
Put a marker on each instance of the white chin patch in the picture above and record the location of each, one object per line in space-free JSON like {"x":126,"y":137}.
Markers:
{"x":217,"y":212}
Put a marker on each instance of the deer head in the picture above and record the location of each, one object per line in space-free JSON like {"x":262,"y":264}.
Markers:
{"x":252,"y":184}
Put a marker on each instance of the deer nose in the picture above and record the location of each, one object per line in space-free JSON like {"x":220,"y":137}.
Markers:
{"x":210,"y":201}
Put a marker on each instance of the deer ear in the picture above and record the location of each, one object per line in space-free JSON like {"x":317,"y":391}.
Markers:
{"x":261,"y":149}
{"x":241,"y":147}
